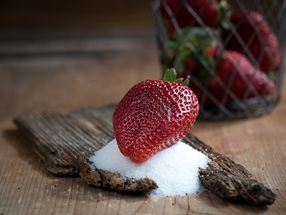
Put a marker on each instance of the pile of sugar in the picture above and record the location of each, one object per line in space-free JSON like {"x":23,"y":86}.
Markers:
{"x":174,"y":169}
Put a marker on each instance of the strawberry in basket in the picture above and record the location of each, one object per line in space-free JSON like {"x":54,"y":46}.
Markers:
{"x":194,"y":13}
{"x":251,"y":35}
{"x":217,"y":75}
{"x":236,"y":78}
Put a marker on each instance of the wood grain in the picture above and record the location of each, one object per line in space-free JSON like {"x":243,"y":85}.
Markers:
{"x":67,"y":83}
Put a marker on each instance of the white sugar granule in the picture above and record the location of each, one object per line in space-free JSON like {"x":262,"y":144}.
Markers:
{"x":175,"y":169}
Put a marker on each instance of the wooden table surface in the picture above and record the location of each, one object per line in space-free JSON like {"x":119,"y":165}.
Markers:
{"x":44,"y":77}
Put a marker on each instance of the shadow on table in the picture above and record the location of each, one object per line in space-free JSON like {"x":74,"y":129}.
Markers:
{"x":24,"y":150}
{"x":214,"y":201}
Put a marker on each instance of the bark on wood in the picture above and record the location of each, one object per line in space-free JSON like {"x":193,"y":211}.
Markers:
{"x":236,"y":188}
{"x":66,"y":141}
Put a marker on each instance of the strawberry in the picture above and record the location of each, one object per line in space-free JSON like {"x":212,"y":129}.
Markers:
{"x":260,"y":43}
{"x":194,"y":13}
{"x":153,"y":115}
{"x":244,"y":80}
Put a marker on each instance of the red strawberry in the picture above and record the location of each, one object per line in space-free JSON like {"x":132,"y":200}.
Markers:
{"x":191,"y":12}
{"x":153,"y":115}
{"x":244,"y":80}
{"x":260,"y":42}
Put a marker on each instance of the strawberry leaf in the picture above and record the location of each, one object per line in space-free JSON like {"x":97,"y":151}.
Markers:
{"x":199,"y":38}
{"x":226,"y":24}
{"x":179,"y":61}
{"x":170,"y":74}
{"x":272,"y":75}
{"x":224,"y":14}
{"x":173,"y":45}
{"x":186,"y":82}
{"x":183,"y":81}
{"x":190,"y":44}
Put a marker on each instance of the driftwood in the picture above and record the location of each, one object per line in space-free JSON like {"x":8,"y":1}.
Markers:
{"x":65,"y":142}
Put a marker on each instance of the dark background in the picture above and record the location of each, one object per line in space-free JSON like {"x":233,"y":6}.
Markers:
{"x":53,"y":17}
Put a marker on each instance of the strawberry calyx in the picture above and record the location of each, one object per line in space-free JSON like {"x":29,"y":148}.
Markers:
{"x":170,"y":75}
{"x":196,"y":37}
{"x":195,"y":46}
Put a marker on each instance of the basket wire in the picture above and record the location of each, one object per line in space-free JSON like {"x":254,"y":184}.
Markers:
{"x":230,"y":105}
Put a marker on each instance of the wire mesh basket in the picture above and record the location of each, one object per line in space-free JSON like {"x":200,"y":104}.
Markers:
{"x":232,"y":51}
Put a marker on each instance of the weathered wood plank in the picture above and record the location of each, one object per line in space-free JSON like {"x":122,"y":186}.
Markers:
{"x":66,"y":141}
